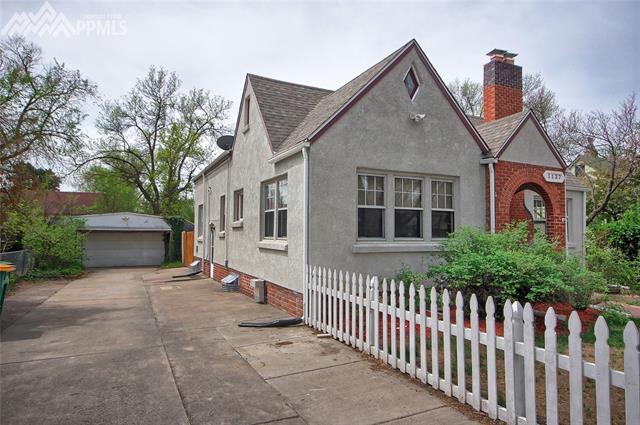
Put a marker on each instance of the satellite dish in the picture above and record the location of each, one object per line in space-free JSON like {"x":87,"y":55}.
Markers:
{"x":225,"y":142}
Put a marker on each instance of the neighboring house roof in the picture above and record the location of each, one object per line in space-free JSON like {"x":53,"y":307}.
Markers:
{"x":124,"y":222}
{"x":68,"y":203}
{"x":283,"y":105}
{"x":573,"y":182}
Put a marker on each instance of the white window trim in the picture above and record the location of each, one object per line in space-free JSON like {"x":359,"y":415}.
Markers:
{"x":275,"y":210}
{"x":453,"y":204}
{"x":418,"y":82}
{"x":384,"y":207}
{"x":246,"y":113}
{"x":422,"y":183}
{"x":236,"y":218}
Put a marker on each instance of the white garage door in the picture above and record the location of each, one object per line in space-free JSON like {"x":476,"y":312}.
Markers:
{"x":114,"y":249}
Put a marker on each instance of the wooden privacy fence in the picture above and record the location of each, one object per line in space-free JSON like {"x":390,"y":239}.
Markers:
{"x":413,"y":333}
{"x":187,"y":248}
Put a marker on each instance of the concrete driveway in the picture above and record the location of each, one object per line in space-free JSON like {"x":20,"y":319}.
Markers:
{"x":130,"y":346}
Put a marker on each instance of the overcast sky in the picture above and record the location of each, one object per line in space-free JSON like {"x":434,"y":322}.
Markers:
{"x":588,"y":52}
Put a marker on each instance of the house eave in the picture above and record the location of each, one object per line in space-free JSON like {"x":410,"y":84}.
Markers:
{"x":288,"y":153}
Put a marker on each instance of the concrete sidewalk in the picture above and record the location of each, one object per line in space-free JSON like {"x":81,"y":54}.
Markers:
{"x":130,"y":346}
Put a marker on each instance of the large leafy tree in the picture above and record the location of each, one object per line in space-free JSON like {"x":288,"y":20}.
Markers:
{"x":40,"y":106}
{"x":614,"y":138}
{"x":118,"y":195}
{"x":156,"y":137}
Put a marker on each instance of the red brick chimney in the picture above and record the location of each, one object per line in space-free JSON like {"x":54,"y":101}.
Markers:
{"x":502,"y":85}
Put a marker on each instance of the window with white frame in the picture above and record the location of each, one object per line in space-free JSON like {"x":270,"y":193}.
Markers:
{"x":539,"y":211}
{"x":238,"y":205}
{"x":371,"y":206}
{"x":223,"y":212}
{"x":442,"y":210}
{"x":200,"y":219}
{"x":408,"y":207}
{"x":274,"y":209}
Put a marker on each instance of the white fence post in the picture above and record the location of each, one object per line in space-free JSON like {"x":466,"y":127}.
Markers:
{"x":402,"y":320}
{"x":529,"y":364}
{"x":492,"y":386}
{"x":475,"y":354}
{"x":518,"y":363}
{"x":367,"y":315}
{"x":446,"y":319}
{"x":360,"y":313}
{"x":341,"y":307}
{"x":460,"y":360}
{"x":354,"y":298}
{"x":412,"y":330}
{"x":334,"y":299}
{"x":631,"y":373}
{"x":385,"y":319}
{"x":423,"y":333}
{"x":393,"y":359}
{"x":435,"y":368}
{"x":603,"y":374}
{"x":575,"y":369}
{"x":376,"y":319}
{"x":551,"y":367}
{"x":509,"y":359}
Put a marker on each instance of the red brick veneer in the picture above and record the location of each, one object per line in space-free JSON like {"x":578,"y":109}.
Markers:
{"x":513,"y":177}
{"x":276,"y":295}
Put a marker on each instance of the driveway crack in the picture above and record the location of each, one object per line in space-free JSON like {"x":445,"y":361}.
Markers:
{"x":164,"y":350}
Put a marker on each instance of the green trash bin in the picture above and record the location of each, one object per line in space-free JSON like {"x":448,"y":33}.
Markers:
{"x":5,"y":269}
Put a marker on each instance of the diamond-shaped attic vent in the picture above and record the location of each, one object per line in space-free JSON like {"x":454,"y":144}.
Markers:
{"x":411,"y":83}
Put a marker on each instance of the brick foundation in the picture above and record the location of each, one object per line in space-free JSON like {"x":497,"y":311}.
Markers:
{"x":275,"y":295}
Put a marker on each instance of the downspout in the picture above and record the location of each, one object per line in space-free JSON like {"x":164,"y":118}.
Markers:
{"x":305,"y":226}
{"x":227,"y":202}
{"x":205,"y":219}
{"x":492,"y":192}
{"x":305,"y":212}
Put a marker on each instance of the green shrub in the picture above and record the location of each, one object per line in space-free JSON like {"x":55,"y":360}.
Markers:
{"x":507,"y":265}
{"x":612,"y":264}
{"x":55,"y":244}
{"x":406,"y":275}
{"x":624,"y":234}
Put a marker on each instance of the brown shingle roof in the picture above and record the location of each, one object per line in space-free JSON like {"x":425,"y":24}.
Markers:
{"x":496,"y":133}
{"x":335,"y":101}
{"x":283,"y":105}
{"x":573,"y":181}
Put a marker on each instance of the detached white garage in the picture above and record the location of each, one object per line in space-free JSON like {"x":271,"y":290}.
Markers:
{"x":124,"y":239}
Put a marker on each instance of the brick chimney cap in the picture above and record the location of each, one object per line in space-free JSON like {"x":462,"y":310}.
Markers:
{"x":503,"y":53}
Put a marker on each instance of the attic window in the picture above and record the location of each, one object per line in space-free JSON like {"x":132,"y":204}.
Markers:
{"x":411,"y":83}
{"x":247,"y":105}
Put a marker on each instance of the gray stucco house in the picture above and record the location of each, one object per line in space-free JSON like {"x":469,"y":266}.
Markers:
{"x":375,"y":174}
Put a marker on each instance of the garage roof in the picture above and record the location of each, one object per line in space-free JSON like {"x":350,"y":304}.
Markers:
{"x":122,"y":222}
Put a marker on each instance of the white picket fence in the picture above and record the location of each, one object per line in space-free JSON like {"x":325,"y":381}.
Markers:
{"x":346,"y":306}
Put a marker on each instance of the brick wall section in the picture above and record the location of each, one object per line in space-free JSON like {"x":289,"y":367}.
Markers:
{"x":513,"y":177}
{"x":502,"y":89}
{"x":501,"y":101}
{"x":276,"y":295}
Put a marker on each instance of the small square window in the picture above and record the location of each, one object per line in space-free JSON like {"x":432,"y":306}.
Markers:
{"x":411,"y":83}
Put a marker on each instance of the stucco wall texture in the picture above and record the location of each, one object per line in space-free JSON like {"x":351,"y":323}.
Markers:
{"x":375,"y":136}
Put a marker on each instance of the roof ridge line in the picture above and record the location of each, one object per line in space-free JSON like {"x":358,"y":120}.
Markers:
{"x":289,"y":82}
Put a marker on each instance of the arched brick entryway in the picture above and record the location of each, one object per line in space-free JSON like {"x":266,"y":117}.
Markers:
{"x":512,"y":179}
